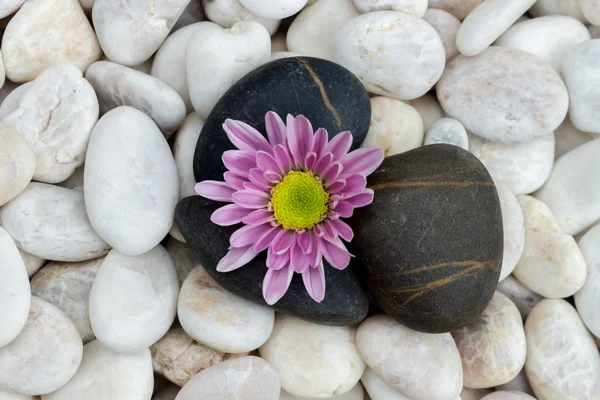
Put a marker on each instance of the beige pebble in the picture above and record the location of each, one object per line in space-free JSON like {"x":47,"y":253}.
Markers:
{"x":446,"y":25}
{"x":18,"y":164}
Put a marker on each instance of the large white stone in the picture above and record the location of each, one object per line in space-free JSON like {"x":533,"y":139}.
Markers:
{"x":50,"y":222}
{"x":551,"y":265}
{"x":12,"y":100}
{"x":325,"y":356}
{"x":573,"y":190}
{"x":524,"y":298}
{"x":514,"y":230}
{"x":117,"y":85}
{"x":133,"y":300}
{"x":212,"y":71}
{"x":183,"y":257}
{"x":569,"y":8}
{"x":448,"y":131}
{"x":8,"y":7}
{"x":508,"y":395}
{"x":32,"y":263}
{"x":504,"y":95}
{"x":357,"y":393}
{"x":44,"y":33}
{"x":44,"y":356}
{"x":244,"y":378}
{"x":369,"y":46}
{"x":459,"y":8}
{"x":17,"y":162}
{"x":378,"y":389}
{"x":421,"y":366}
{"x":228,"y":12}
{"x":487,"y":22}
{"x":56,"y":116}
{"x":105,"y":374}
{"x":274,"y":8}
{"x":588,"y":297}
{"x":446,"y":25}
{"x":562,"y":358}
{"x":414,"y":7}
{"x":568,"y":137}
{"x":522,"y":167}
{"x":429,"y":108}
{"x":131,"y":181}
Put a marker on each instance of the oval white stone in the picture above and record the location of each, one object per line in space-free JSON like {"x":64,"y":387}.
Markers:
{"x":131,"y":181}
{"x":568,"y":138}
{"x":414,"y":7}
{"x":569,"y":8}
{"x":18,"y":164}
{"x":514,"y":230}
{"x":524,"y":298}
{"x":228,"y":12}
{"x":562,"y":358}
{"x":133,"y":300}
{"x":378,"y":389}
{"x":448,"y":131}
{"x":588,"y":297}
{"x":429,"y":108}
{"x":459,"y":8}
{"x":369,"y":44}
{"x":105,"y":374}
{"x":446,"y":25}
{"x":504,"y":95}
{"x":274,"y":8}
{"x":357,"y":393}
{"x":508,"y":395}
{"x":44,"y":356}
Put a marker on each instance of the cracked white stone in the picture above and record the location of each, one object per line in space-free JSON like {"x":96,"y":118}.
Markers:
{"x":414,"y":7}
{"x":105,"y":374}
{"x":419,"y":365}
{"x":130,"y":31}
{"x":274,"y":8}
{"x":131,"y":181}
{"x":183,"y":257}
{"x":429,"y":108}
{"x":44,"y":356}
{"x":586,"y":299}
{"x":228,"y":12}
{"x":448,"y":131}
{"x":569,"y":8}
{"x":32,"y":263}
{"x":50,"y":222}
{"x":524,"y":298}
{"x":446,"y":25}
{"x":8,"y":7}
{"x":244,"y":378}
{"x":18,"y":164}
{"x":356,"y":393}
{"x":514,"y":230}
{"x":211,"y":71}
{"x":193,"y":13}
{"x":133,"y":300}
{"x":562,"y":357}
{"x":313,"y":360}
{"x":568,"y":138}
{"x":11,"y":102}
{"x":508,"y":395}
{"x":368,"y":46}
{"x":459,"y":8}
{"x":504,"y":95}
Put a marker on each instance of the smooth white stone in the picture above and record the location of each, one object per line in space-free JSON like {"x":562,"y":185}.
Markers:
{"x":183,"y":257}
{"x":587,"y":299}
{"x":591,"y":10}
{"x":325,"y":356}
{"x":193,"y":13}
{"x":514,"y":230}
{"x":377,"y":389}
{"x":414,"y":7}
{"x":508,"y":395}
{"x":568,"y":138}
{"x":448,"y":131}
{"x":522,"y":167}
{"x":575,"y":209}
{"x":15,"y":293}
{"x":562,"y":358}
{"x":131,"y":181}
{"x":519,"y":383}
{"x":17,"y":164}
{"x":44,"y":356}
{"x":211,"y":71}
{"x":11,"y":102}
{"x":551,"y":265}
{"x":492,"y":350}
{"x":369,"y":44}
{"x":44,"y":33}
{"x":117,"y":86}
{"x":523,"y":297}
{"x":395,"y":126}
{"x":429,"y":108}
{"x":473,"y":394}
{"x":67,"y":286}
{"x":4,"y":395}
{"x":133,"y":300}
{"x":245,"y":378}
{"x":50,"y":222}
{"x":446,"y":25}
{"x":522,"y":99}
{"x":105,"y":374}
{"x":357,"y":393}
{"x":8,"y":7}
{"x":545,"y":37}
{"x":228,"y":12}
{"x":459,"y":8}
{"x":420,"y":365}
{"x":313,"y":31}
{"x":283,"y":54}
{"x":32,"y":263}
{"x":487,"y":22}
{"x":274,"y":8}
{"x":219,"y":319}
{"x":570,"y":8}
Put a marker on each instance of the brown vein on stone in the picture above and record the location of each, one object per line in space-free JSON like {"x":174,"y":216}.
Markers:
{"x":397,"y":184}
{"x":319,"y":83}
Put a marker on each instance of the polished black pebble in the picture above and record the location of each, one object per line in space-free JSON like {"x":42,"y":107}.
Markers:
{"x":431,"y":243}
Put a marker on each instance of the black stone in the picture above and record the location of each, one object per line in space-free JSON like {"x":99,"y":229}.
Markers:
{"x":326,"y":93}
{"x":431,"y":243}
{"x":345,"y":301}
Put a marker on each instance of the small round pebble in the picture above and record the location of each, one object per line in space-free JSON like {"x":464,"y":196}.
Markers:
{"x":357,"y":393}
{"x":32,"y":263}
{"x":414,"y":7}
{"x":446,"y":25}
{"x":587,"y":298}
{"x":18,"y":164}
{"x":569,"y":8}
{"x":274,"y":8}
{"x":133,"y":300}
{"x":448,"y":131}
{"x":514,"y":230}
{"x":524,"y":298}
{"x":227,"y":12}
{"x":568,"y":138}
{"x":459,"y":8}
{"x":508,"y":395}
{"x":429,"y":108}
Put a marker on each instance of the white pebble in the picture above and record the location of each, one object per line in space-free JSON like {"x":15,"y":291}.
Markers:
{"x":8,"y":7}
{"x":568,"y":138}
{"x":562,"y":358}
{"x":133,"y":300}
{"x":473,"y":394}
{"x":18,"y":164}
{"x":369,"y":46}
{"x":51,"y":222}
{"x":357,"y":393}
{"x":446,"y":25}
{"x":227,"y":12}
{"x":325,"y":356}
{"x":591,"y":10}
{"x":2,"y":72}
{"x":508,"y":395}
{"x":459,"y":8}
{"x":588,"y":297}
{"x":429,"y":108}
{"x":414,"y":7}
{"x":11,"y":102}
{"x":131,"y":181}
{"x":32,"y":263}
{"x":569,"y":8}
{"x":183,"y":258}
{"x":524,"y":298}
{"x":448,"y":131}
{"x":274,"y":8}
{"x":44,"y":356}
{"x":378,"y":389}
{"x":211,"y":71}
{"x":514,"y":230}
{"x":44,"y":33}
{"x":421,"y":366}
{"x":551,"y":265}
{"x":105,"y":374}
{"x":504,"y":95}
{"x":519,"y":383}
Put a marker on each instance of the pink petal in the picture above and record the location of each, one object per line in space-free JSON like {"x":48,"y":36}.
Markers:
{"x":314,"y":282}
{"x":310,"y":160}
{"x":339,"y":145}
{"x":362,"y":161}
{"x":247,"y":234}
{"x":238,"y":161}
{"x":265,"y":240}
{"x":265,"y":161}
{"x":342,"y":229}
{"x":258,"y":217}
{"x":257,"y":187}
{"x":250,"y":198}
{"x":277,"y":261}
{"x":323,"y":163}
{"x":335,"y":253}
{"x":275,"y":128}
{"x":332,"y":172}
{"x":315,"y":256}
{"x":228,"y":215}
{"x":245,"y":137}
{"x":337,"y":186}
{"x":344,"y":209}
{"x":327,"y":229}
{"x":319,"y":142}
{"x":235,"y":258}
{"x":283,"y":241}
{"x":215,"y":190}
{"x":272,"y":176}
{"x":305,"y":241}
{"x":362,"y":199}
{"x":276,"y":283}
{"x":256,"y":176}
{"x":298,"y":260}
{"x":354,"y":185}
{"x":282,"y":157}
{"x":234,"y":180}
{"x":300,"y":137}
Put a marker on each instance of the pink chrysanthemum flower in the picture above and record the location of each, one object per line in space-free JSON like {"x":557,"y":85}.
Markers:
{"x":290,"y":192}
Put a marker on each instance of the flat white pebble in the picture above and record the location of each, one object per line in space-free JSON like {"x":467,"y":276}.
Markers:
{"x":133,"y":300}
{"x":514,"y":230}
{"x":459,"y":8}
{"x":568,"y":138}
{"x":18,"y":164}
{"x":357,"y":393}
{"x":32,"y":263}
{"x":11,"y":102}
{"x":414,"y":7}
{"x":586,"y":300}
{"x":183,"y":257}
{"x":228,"y":12}
{"x":44,"y":356}
{"x":105,"y":374}
{"x":378,"y":389}
{"x":508,"y":395}
{"x":448,"y":131}
{"x":523,"y":297}
{"x":429,"y":108}
{"x":274,"y":8}
{"x":368,"y":46}
{"x":446,"y":25}
{"x":570,"y":8}
{"x":519,"y":383}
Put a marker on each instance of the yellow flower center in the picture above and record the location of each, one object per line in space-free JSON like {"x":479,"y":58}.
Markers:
{"x":299,"y":201}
